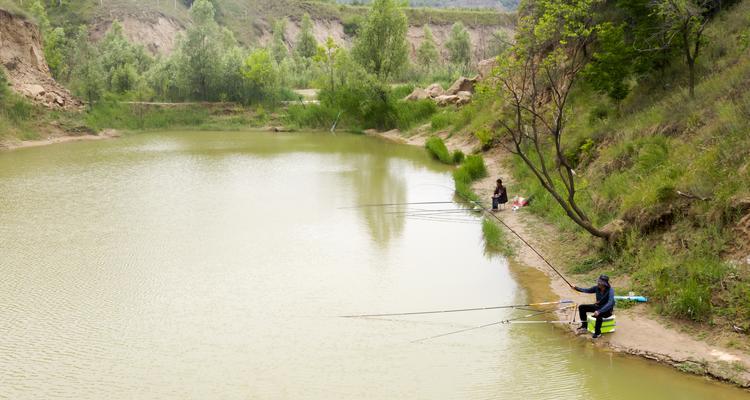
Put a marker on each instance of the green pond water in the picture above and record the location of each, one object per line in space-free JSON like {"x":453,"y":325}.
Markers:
{"x":212,"y":265}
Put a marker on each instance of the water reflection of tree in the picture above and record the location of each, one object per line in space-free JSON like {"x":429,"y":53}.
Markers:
{"x":376,"y":179}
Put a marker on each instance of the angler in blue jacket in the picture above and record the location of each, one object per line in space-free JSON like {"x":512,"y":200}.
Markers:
{"x":605,"y":304}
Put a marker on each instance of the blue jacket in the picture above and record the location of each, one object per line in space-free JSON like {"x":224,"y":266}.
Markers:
{"x":605,"y":301}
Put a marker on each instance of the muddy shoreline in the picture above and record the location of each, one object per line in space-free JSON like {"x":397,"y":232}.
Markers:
{"x":15,"y":145}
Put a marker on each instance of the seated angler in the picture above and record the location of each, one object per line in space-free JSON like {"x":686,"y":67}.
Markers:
{"x":605,"y":304}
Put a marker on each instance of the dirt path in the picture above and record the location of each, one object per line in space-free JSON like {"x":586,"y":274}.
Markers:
{"x":639,"y":330}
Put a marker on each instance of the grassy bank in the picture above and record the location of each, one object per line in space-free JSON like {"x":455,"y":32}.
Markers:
{"x":673,"y":168}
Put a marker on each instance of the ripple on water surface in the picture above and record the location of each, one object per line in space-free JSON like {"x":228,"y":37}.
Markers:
{"x":204,"y":265}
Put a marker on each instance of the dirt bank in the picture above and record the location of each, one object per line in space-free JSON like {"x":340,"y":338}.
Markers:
{"x":13,"y":145}
{"x":22,"y":56}
{"x":640,"y":331}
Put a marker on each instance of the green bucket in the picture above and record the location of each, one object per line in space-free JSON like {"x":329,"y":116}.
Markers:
{"x":608,"y":325}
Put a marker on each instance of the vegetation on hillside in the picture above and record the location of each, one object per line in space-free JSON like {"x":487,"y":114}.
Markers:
{"x":666,"y":169}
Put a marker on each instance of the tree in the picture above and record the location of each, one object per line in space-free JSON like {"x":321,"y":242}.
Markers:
{"x":307,"y":46}
{"x":54,"y":39}
{"x":199,"y":50}
{"x":427,"y":53}
{"x":684,"y":22}
{"x":327,"y":55}
{"x":611,"y":64}
{"x":499,"y":43}
{"x":89,"y":82}
{"x":278,"y":47}
{"x":459,"y":45}
{"x":260,"y":74}
{"x":534,"y":83}
{"x":380,"y":45}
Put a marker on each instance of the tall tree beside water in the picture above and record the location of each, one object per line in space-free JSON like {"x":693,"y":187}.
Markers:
{"x":381,"y":45}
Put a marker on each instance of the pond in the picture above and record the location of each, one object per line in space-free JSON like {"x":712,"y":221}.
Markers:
{"x":214,"y":265}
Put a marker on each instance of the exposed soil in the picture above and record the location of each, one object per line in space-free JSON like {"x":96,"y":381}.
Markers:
{"x":640,"y":331}
{"x":22,"y":56}
{"x":61,"y":138}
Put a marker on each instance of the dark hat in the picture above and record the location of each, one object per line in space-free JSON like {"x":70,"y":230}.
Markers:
{"x":604,"y":279}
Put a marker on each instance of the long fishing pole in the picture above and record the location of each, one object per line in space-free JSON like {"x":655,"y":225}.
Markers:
{"x":505,"y":321}
{"x":397,"y":204}
{"x":517,"y":235}
{"x":547,"y":303}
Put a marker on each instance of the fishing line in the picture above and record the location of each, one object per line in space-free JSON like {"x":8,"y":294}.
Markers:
{"x":478,"y":204}
{"x":547,"y":303}
{"x":505,"y":321}
{"x":396,"y":204}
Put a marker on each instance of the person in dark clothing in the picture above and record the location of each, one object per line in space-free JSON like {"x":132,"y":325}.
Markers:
{"x":500,"y":197}
{"x":605,"y":304}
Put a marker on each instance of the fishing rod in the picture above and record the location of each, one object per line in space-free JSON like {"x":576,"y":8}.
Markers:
{"x":517,"y":235}
{"x":505,"y":321}
{"x":546,"y":303}
{"x":397,"y":204}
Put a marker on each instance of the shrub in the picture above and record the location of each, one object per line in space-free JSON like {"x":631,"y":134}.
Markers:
{"x":436,"y":147}
{"x":458,"y":157}
{"x":485,"y":138}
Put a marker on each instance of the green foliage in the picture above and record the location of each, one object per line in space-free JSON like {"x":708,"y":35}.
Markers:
{"x":611,"y":63}
{"x":427,"y":52}
{"x":123,"y":116}
{"x":352,"y":25}
{"x":458,"y":156}
{"x":475,"y":167}
{"x":261,"y":76}
{"x":3,"y":85}
{"x":381,"y":45}
{"x":410,"y":113}
{"x":311,"y":116}
{"x":441,"y":120}
{"x":472,"y":169}
{"x":307,"y":46}
{"x":459,"y":45}
{"x":278,"y":47}
{"x":499,"y":42}
{"x":436,"y":147}
{"x":495,"y":239}
{"x":485,"y":138}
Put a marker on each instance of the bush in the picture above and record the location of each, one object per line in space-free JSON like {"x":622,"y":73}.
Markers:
{"x":458,"y":157}
{"x":485,"y":138}
{"x":436,"y":147}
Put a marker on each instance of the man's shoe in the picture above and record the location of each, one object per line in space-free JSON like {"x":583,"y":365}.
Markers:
{"x":596,"y":335}
{"x":582,"y":331}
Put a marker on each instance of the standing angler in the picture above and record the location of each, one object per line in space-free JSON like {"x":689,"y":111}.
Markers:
{"x":605,"y":304}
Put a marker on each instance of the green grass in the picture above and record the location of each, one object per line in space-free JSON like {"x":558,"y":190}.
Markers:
{"x":633,"y":159}
{"x":437,"y":149}
{"x":472,"y":169}
{"x":496,"y":239}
